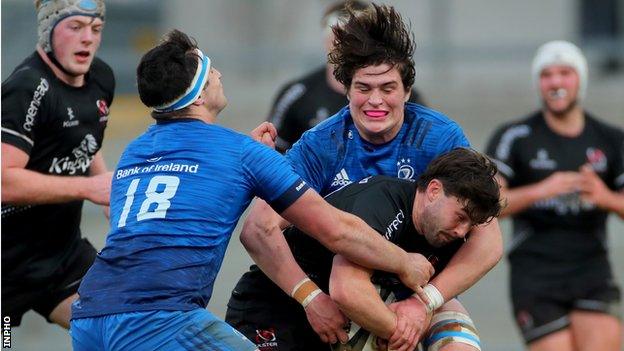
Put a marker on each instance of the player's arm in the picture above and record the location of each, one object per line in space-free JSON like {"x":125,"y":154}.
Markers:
{"x":281,"y":116}
{"x":263,"y":239}
{"x":350,"y":236}
{"x":520,"y":198}
{"x":350,"y":286}
{"x":22,"y":186}
{"x":595,"y":191}
{"x":481,"y":252}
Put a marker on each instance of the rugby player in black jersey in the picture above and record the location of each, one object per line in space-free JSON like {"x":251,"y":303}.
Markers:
{"x":55,"y":108}
{"x":562,"y":172}
{"x":431,"y":217}
{"x":303,"y":103}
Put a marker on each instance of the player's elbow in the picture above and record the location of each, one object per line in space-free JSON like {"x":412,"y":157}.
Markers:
{"x":341,"y":294}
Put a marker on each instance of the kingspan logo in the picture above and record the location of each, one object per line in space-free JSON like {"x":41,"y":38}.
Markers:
{"x":33,"y":108}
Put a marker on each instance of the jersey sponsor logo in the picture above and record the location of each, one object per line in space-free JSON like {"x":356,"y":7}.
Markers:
{"x":80,"y":160}
{"x":406,"y":171}
{"x":265,"y":339}
{"x":103,"y":110}
{"x":542,"y":161}
{"x":154,"y":159}
{"x":394,"y":225}
{"x":341,"y":179}
{"x":597,"y":159}
{"x":301,"y":185}
{"x":570,"y":203}
{"x":72,"y":122}
{"x":33,"y":108}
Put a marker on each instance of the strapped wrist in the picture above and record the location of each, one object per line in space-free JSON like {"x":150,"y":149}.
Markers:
{"x":305,"y":291}
{"x":436,"y":300}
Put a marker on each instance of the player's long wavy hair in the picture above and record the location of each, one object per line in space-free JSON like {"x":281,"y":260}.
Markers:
{"x":470,"y":176}
{"x":373,"y":36}
{"x":167,"y":70}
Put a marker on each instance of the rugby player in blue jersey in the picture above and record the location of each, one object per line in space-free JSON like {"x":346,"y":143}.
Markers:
{"x":378,"y":133}
{"x":177,"y":194}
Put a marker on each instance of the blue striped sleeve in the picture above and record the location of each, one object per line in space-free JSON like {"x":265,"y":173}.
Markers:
{"x":271,"y":177}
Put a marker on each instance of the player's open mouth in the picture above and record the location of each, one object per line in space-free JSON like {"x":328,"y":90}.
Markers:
{"x":376,"y":113}
{"x":82,"y":56}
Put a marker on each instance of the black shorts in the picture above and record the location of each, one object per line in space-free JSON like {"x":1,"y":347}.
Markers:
{"x":268,"y":317}
{"x":542,"y":306}
{"x":44,"y":296}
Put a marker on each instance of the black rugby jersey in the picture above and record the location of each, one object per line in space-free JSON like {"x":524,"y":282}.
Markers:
{"x":61,"y":128}
{"x":385,"y":204}
{"x":304,"y":103}
{"x":564,"y":228}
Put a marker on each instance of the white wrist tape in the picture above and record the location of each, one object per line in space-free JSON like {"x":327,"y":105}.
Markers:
{"x":303,"y":281}
{"x":436,"y":300}
{"x":305,"y":291}
{"x":310,"y":297}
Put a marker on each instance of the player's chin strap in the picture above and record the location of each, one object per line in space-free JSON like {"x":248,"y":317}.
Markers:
{"x":451,"y":327}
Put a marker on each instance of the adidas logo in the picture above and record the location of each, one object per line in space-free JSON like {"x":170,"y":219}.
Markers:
{"x":341,"y":179}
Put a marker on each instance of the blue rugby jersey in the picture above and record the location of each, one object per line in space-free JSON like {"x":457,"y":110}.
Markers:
{"x":332,"y":154}
{"x":177,"y":194}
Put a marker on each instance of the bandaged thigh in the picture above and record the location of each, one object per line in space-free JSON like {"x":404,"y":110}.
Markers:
{"x":450,"y":327}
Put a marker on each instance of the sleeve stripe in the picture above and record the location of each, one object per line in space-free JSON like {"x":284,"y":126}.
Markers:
{"x":504,"y":147}
{"x":504,"y":168}
{"x":12,"y":132}
{"x":288,"y":197}
{"x":290,"y":96}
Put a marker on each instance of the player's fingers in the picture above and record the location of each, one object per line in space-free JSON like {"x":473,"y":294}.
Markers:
{"x":421,"y":293}
{"x":324,"y":337}
{"x":272,"y":130}
{"x":342,"y":336}
{"x":332,"y":339}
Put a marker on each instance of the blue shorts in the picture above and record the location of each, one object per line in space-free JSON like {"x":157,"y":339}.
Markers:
{"x":157,"y":330}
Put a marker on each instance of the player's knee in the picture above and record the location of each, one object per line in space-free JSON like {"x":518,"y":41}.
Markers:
{"x":452,"y":331}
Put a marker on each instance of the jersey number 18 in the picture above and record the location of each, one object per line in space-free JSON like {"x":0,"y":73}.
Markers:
{"x":151,"y":197}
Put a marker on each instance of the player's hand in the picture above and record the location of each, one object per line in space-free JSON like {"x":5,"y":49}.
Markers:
{"x":560,"y":183}
{"x":326,"y":319}
{"x":413,"y":310}
{"x":593,"y":189}
{"x":417,"y":273}
{"x":265,"y":133}
{"x":404,"y":337}
{"x":98,"y":189}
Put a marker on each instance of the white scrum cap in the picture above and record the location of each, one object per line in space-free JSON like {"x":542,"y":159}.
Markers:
{"x":564,"y":53}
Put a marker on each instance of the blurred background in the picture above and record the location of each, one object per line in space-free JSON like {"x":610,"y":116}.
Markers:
{"x":472,"y":63}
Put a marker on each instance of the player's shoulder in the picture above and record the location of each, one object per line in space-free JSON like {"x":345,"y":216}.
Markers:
{"x":331,"y":127}
{"x":604,"y":127}
{"x":31,"y":75}
{"x":520,"y":127}
{"x":381,"y":185}
{"x":426,"y":113}
{"x":102,"y":73}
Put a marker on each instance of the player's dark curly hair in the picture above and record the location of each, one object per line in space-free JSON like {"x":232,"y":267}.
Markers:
{"x":167,"y":70}
{"x":373,"y":36}
{"x":470,"y":176}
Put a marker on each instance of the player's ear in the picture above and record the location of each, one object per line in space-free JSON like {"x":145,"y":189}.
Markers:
{"x":200,"y":100}
{"x":434,"y":189}
{"x":408,"y":95}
